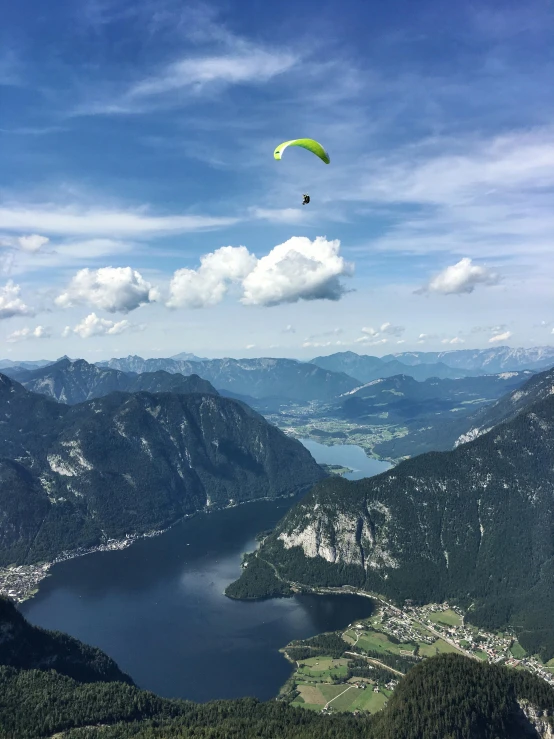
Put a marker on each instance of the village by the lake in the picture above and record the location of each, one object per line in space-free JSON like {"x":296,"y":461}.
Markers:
{"x":379,"y":650}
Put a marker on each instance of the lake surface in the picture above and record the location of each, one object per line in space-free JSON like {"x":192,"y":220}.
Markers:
{"x":158,"y":607}
{"x":347,"y":455}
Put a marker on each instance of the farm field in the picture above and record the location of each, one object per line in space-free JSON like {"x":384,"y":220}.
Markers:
{"x":376,"y":641}
{"x":344,"y":697}
{"x":323,"y":669}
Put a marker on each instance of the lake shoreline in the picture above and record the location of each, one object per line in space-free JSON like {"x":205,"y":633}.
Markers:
{"x":21,"y":582}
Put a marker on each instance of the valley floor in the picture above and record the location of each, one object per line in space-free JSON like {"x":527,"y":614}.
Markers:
{"x":379,"y":650}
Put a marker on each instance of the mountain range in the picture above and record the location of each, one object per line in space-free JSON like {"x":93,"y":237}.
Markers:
{"x":74,"y":476}
{"x":76,"y":381}
{"x":259,"y":378}
{"x":367,"y":368}
{"x":403,"y":397}
{"x":445,"y":433}
{"x":475,"y":525}
{"x":493,"y":360}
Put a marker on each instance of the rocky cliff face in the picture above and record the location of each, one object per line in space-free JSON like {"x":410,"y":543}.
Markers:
{"x":475,"y":523}
{"x":541,"y":721}
{"x":126,"y":463}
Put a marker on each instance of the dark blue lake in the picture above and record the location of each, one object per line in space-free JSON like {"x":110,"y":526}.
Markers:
{"x":158,"y":608}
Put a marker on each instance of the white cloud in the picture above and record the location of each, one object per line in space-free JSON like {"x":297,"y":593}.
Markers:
{"x":289,"y":329}
{"x":460,"y":278}
{"x":208,"y":285}
{"x":299,"y":269}
{"x":92,"y":325}
{"x":388,"y":328}
{"x":250,"y":346}
{"x":253,"y":65}
{"x":40,"y":332}
{"x":370,"y":331}
{"x":455,"y":340}
{"x":500,"y":337}
{"x":54,"y":219}
{"x":32,"y":243}
{"x":10,"y":302}
{"x":112,"y":289}
{"x":366,"y":341}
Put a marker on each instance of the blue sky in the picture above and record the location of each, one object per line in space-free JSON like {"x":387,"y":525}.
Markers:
{"x":141,"y":209}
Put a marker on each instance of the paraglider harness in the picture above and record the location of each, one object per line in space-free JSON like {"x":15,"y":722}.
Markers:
{"x":306,"y":199}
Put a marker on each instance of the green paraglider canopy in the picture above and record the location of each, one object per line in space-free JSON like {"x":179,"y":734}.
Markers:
{"x":308,"y":144}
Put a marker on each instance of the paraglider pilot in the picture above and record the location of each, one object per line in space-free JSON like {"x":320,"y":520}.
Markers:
{"x":306,"y":199}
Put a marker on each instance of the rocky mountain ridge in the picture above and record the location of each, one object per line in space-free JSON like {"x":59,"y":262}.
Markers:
{"x":74,"y":476}
{"x":76,"y":381}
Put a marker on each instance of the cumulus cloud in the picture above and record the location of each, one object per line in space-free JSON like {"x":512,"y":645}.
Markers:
{"x":92,"y":325}
{"x":386,"y":328}
{"x":113,"y":289}
{"x":289,"y":329}
{"x":32,"y":243}
{"x":10,"y":302}
{"x":299,"y":269}
{"x":455,"y":340}
{"x":208,"y":284}
{"x":500,"y":337}
{"x":40,"y":332}
{"x":459,"y":278}
{"x":370,"y":331}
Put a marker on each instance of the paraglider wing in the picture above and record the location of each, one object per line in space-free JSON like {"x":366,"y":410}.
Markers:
{"x":308,"y":144}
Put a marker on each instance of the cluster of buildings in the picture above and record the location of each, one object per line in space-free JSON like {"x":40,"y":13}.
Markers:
{"x":468,"y":639}
{"x":19,"y":582}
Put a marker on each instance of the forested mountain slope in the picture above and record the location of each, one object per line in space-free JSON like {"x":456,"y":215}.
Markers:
{"x":72,"y":476}
{"x":31,"y":648}
{"x":475,"y":524}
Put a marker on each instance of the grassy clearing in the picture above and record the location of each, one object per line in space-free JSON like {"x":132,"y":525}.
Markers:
{"x":438,"y":647}
{"x":322,"y":669}
{"x":376,"y":641}
{"x":449,"y":618}
{"x":518,"y":652}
